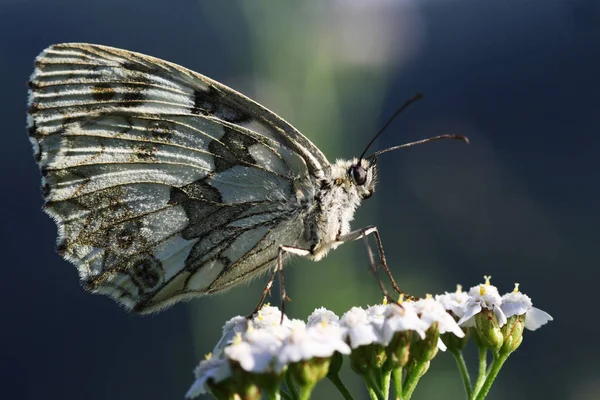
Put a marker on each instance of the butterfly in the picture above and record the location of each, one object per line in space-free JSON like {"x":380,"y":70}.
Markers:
{"x":166,"y":185}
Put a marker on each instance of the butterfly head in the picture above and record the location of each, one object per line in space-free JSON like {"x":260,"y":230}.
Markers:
{"x":356,"y":175}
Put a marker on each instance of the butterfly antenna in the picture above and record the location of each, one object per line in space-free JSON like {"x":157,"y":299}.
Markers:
{"x":431,"y":139}
{"x":407,"y":103}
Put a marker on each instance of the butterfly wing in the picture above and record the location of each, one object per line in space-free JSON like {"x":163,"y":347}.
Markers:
{"x":164,"y":184}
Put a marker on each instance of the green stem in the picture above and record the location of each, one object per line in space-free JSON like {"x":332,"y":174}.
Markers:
{"x":491,"y":376}
{"x":289,"y":382}
{"x":385,"y":383}
{"x":482,"y":373}
{"x":372,"y":393}
{"x":464,"y":372}
{"x":412,"y":379}
{"x":305,"y":391}
{"x":378,"y":376}
{"x":337,"y":382}
{"x":397,"y":377}
{"x":372,"y":385}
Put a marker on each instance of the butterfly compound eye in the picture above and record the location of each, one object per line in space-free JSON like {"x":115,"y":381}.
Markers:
{"x":359,"y":174}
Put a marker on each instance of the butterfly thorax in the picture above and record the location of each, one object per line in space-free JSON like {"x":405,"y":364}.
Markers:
{"x":336,"y":202}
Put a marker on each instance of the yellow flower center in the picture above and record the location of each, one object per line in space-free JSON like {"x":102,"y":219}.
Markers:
{"x":481,"y":290}
{"x":237,"y":339}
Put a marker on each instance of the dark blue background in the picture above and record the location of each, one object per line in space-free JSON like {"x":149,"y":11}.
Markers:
{"x":521,"y":203}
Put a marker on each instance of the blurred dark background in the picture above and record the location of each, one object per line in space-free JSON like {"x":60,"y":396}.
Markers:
{"x":521,"y":79}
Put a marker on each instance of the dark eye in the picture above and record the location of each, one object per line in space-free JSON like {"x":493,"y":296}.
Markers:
{"x":359,"y":174}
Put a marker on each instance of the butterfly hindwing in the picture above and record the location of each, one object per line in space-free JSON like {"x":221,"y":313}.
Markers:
{"x":164,"y":184}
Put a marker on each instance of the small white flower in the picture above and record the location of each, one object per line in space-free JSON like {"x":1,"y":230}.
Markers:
{"x":517,"y":303}
{"x":279,"y":331}
{"x":480,"y":297}
{"x":322,"y":314}
{"x":231,"y":328}
{"x":293,"y":323}
{"x":454,"y":302}
{"x":307,"y":342}
{"x":269,"y":316}
{"x":401,"y":318}
{"x":257,"y":350}
{"x":431,"y":311}
{"x":376,"y":315}
{"x":213,"y":368}
{"x":358,"y":329}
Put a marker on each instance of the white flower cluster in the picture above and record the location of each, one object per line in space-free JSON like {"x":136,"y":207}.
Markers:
{"x":269,"y":343}
{"x":485,"y":296}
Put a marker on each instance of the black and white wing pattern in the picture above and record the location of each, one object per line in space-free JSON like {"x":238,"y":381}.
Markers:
{"x":164,"y":184}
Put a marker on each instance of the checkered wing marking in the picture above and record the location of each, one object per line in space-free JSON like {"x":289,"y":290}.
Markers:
{"x":164,"y":184}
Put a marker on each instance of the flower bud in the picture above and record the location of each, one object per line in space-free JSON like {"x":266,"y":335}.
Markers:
{"x":398,"y":351}
{"x":366,"y":358}
{"x":488,"y":330}
{"x":308,"y":372}
{"x":424,"y":350}
{"x":455,"y":343}
{"x":513,"y":333}
{"x":242,"y":383}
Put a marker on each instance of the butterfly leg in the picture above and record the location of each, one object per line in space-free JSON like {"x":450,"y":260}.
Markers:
{"x":265,"y":292}
{"x":279,"y":268}
{"x":363,"y":234}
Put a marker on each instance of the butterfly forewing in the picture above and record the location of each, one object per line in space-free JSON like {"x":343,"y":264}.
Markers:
{"x":164,"y":184}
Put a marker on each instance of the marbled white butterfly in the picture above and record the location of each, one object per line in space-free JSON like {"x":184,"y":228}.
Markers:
{"x":166,"y":185}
